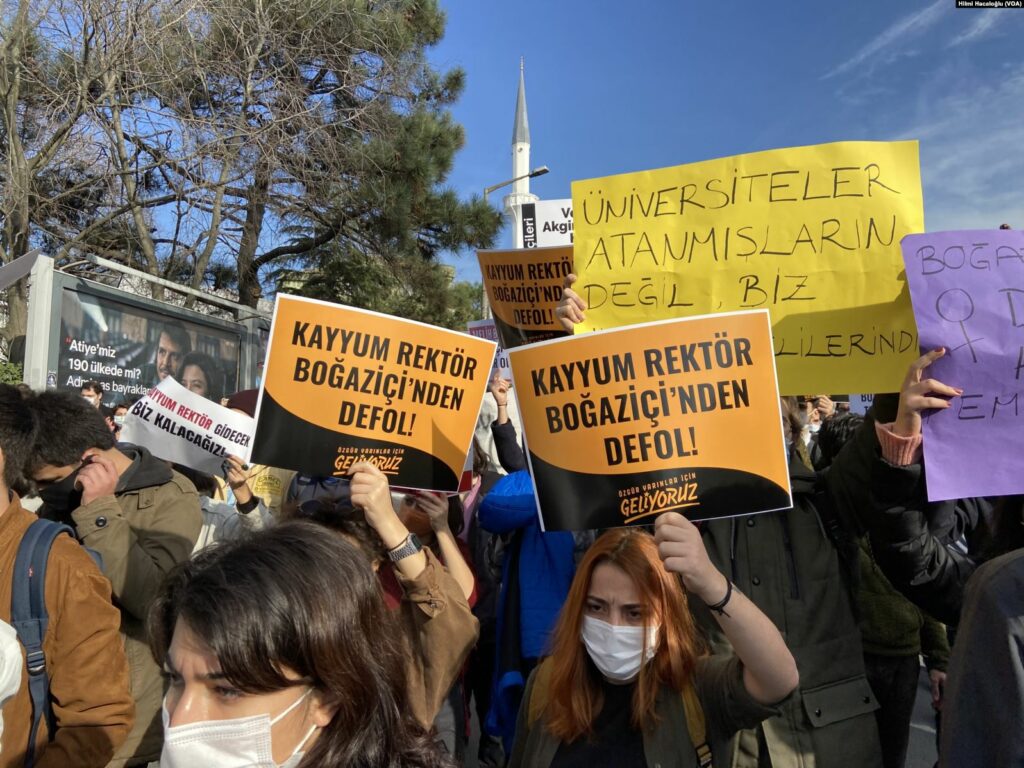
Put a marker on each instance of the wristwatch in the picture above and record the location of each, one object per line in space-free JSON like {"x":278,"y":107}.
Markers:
{"x":407,"y":548}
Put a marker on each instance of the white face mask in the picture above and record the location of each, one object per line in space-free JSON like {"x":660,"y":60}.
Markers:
{"x":242,"y":742}
{"x":814,"y":428}
{"x":618,"y":652}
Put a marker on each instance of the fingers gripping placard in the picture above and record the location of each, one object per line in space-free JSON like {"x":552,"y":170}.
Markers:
{"x":344,"y":385}
{"x":679,"y":415}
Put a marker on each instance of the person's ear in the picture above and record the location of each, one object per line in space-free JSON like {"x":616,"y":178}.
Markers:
{"x":320,"y":712}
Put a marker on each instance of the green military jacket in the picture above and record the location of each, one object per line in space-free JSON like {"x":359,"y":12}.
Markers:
{"x":787,"y":565}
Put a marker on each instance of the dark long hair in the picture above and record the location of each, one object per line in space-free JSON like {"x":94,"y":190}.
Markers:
{"x":291,"y":597}
{"x":211,"y":370}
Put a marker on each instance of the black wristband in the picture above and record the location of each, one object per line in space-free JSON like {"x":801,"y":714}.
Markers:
{"x":249,"y":506}
{"x":719,"y":607}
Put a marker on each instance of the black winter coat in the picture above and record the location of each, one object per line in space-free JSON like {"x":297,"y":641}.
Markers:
{"x":927,"y":550}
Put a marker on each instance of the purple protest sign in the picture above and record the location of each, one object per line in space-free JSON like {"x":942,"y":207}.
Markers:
{"x":968,"y":294}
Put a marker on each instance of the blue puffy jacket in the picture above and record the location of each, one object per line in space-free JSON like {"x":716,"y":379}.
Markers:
{"x":544,"y":568}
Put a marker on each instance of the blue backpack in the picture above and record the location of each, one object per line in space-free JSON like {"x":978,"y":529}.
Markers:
{"x":30,"y":619}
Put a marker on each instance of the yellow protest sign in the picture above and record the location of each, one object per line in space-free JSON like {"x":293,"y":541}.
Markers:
{"x":344,"y":385}
{"x":679,"y":415}
{"x":810,"y":233}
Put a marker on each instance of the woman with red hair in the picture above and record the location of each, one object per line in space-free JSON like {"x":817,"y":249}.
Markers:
{"x":628,"y":683}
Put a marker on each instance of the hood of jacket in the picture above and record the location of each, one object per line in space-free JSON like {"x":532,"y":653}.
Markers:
{"x":146,"y":470}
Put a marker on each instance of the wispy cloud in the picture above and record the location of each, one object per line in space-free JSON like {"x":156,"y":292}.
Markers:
{"x":970,"y":165}
{"x":898,"y":33}
{"x":984,"y":21}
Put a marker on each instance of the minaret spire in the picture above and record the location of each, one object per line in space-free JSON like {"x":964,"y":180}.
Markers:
{"x":521,"y":129}
{"x":520,"y":193}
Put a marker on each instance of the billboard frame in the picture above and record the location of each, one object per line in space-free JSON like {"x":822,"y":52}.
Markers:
{"x":46,"y":291}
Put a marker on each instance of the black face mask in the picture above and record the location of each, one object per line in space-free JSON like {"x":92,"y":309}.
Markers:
{"x":63,"y":496}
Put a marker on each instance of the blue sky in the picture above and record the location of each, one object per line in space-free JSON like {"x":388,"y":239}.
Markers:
{"x":614,"y":87}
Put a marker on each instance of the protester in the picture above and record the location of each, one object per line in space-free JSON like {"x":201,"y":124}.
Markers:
{"x":895,"y":633}
{"x":437,"y":521}
{"x":505,"y":443}
{"x":798,"y":566}
{"x":626,"y":673}
{"x":223,"y":521}
{"x":93,"y":392}
{"x":108,"y":419}
{"x":538,"y":569}
{"x":913,"y":539}
{"x":825,"y":406}
{"x":981,"y":721}
{"x":501,"y":409}
{"x":201,"y":374}
{"x":809,"y":420}
{"x":137,"y":514}
{"x":270,"y":484}
{"x":438,"y":627}
{"x":172,"y":345}
{"x":497,"y":442}
{"x":84,"y":657}
{"x":304,"y":488}
{"x":476,"y":491}
{"x":120,"y":411}
{"x":279,"y":651}
{"x":487,"y":550}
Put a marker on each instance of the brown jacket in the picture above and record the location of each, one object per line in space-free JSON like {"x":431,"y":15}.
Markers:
{"x":150,"y":525}
{"x":84,"y":658}
{"x":440,"y":631}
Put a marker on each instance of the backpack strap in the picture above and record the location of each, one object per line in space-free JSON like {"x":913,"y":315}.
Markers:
{"x":696,"y":725}
{"x":30,"y":619}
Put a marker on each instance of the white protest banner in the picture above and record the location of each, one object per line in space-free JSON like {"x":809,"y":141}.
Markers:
{"x":546,"y":223}
{"x":180,"y":426}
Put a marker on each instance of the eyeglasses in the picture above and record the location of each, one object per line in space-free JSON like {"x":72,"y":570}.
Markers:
{"x":311,"y":480}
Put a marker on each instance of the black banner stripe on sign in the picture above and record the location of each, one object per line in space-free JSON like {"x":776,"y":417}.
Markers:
{"x":285,"y":440}
{"x":512,"y":336}
{"x":568,"y":498}
{"x":529,"y":213}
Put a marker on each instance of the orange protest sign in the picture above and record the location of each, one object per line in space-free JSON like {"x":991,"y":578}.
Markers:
{"x":679,"y":415}
{"x":343,"y":385}
{"x":523,"y":288}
